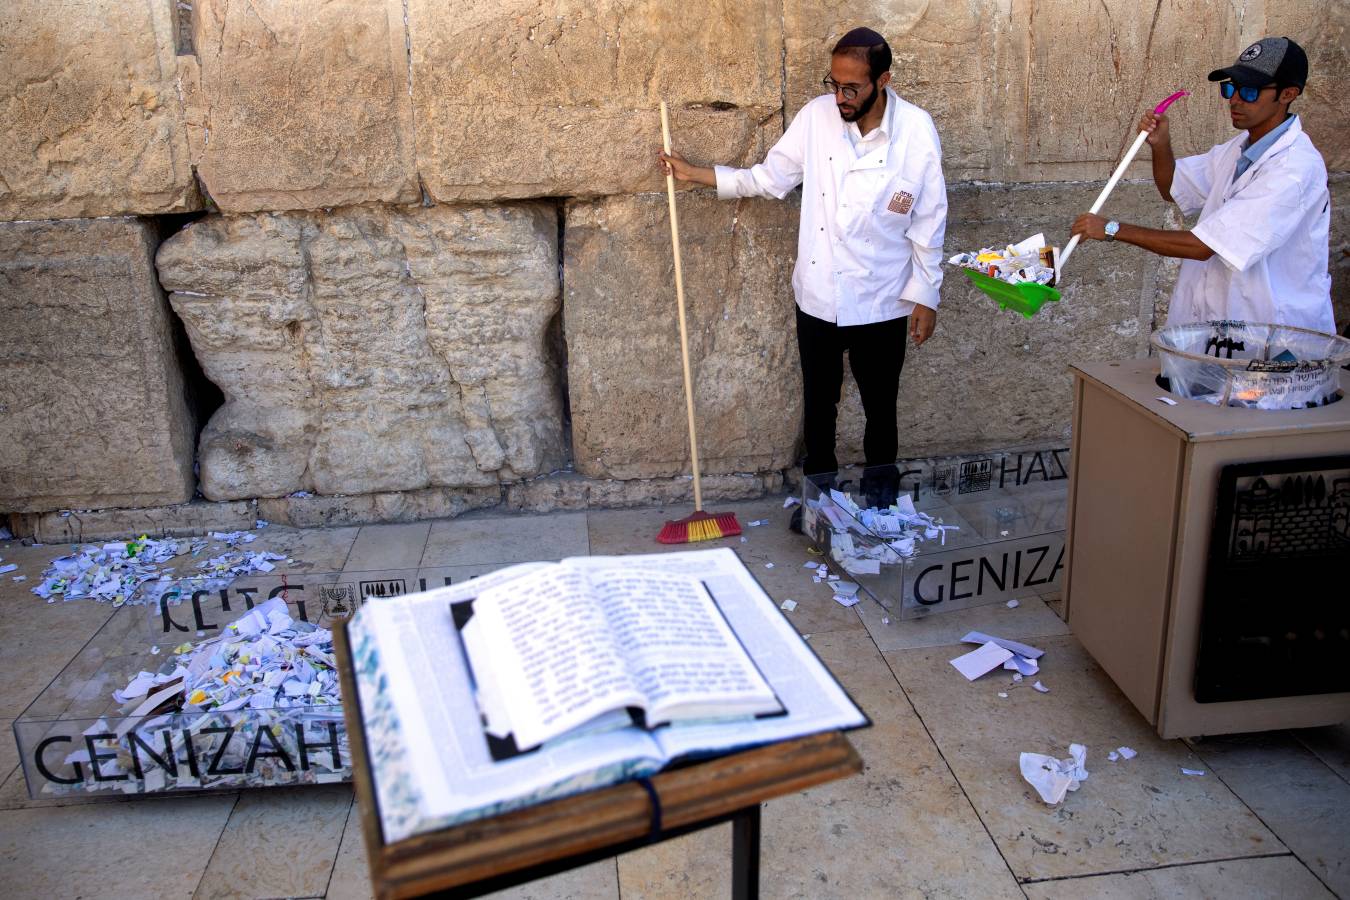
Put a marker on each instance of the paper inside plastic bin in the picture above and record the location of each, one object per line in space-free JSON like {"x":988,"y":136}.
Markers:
{"x":1252,"y":364}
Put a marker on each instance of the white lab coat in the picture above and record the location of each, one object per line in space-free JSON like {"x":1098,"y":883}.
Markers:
{"x":1268,"y":230}
{"x":872,"y":226}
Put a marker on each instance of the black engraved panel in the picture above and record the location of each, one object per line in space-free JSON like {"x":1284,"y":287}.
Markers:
{"x":1276,"y":619}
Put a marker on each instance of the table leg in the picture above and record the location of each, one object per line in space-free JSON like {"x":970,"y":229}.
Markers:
{"x":745,"y":854}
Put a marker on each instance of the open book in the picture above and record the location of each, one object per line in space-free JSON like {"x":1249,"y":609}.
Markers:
{"x":558,"y":647}
{"x":425,"y":688}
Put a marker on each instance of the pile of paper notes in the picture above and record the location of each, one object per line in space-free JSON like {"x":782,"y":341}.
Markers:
{"x":257,"y":705}
{"x":1028,"y":261}
{"x":131,"y":572}
{"x":864,"y":540}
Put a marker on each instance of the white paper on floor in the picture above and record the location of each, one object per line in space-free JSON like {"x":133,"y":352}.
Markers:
{"x":846,"y":599}
{"x":982,"y":661}
{"x":1126,"y":752}
{"x":1013,"y":603}
{"x":1023,"y":650}
{"x":1041,"y":688}
{"x":1186,"y":771}
{"x":788,"y":605}
{"x":1022,"y":665}
{"x":1053,"y":778}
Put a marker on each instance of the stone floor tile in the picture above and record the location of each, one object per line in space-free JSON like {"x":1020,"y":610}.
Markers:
{"x":1238,"y":879}
{"x":1296,"y":795}
{"x":351,"y":874}
{"x":695,"y":865}
{"x":9,"y":751}
{"x":131,"y":850}
{"x":388,"y":547}
{"x":499,"y":540}
{"x":279,"y":842}
{"x":1033,"y":618}
{"x":38,"y":639}
{"x":597,"y":881}
{"x":1140,"y":813}
{"x":901,"y":828}
{"x":310,"y":549}
{"x":351,"y":877}
{"x":1331,"y":744}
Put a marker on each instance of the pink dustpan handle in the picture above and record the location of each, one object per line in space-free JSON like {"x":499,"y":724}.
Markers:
{"x":1162,"y":107}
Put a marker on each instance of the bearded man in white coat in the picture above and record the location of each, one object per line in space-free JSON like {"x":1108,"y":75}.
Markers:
{"x":869,"y":248}
{"x":1259,"y":252}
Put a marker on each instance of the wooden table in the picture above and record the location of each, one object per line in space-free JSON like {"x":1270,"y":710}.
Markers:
{"x":501,"y":851}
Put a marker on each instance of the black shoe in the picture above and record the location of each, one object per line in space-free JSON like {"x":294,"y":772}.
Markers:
{"x":795,"y":523}
{"x":880,"y":486}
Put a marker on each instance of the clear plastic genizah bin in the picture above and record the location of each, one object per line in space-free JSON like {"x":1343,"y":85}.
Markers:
{"x":1252,"y":364}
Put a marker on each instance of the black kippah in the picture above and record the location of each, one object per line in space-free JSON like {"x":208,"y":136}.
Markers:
{"x":860,"y":37}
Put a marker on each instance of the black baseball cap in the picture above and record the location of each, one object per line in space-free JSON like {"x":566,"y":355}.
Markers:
{"x":1272,"y":59}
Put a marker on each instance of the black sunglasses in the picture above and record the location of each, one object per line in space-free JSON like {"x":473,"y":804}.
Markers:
{"x":1247,"y":93}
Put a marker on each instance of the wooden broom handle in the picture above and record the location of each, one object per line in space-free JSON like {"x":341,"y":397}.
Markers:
{"x":679,"y":299}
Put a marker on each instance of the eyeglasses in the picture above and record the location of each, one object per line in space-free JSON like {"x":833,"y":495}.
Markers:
{"x":849,"y":91}
{"x":1247,"y":93}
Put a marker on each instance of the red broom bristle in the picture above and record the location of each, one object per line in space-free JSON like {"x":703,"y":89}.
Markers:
{"x":701,"y":526}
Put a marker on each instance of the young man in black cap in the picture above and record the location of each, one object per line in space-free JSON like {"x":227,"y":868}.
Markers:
{"x":869,"y":249}
{"x":1259,"y":251}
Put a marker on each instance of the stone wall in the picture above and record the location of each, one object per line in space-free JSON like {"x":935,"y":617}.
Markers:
{"x":430,"y":267}
{"x":92,"y":402}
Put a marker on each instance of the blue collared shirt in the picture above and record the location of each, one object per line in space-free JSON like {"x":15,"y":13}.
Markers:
{"x":1254,"y":151}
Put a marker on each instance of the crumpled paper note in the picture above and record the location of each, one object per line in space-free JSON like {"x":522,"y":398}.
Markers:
{"x":1053,"y":778}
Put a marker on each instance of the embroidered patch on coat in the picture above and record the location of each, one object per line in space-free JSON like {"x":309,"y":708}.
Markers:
{"x":901,"y":202}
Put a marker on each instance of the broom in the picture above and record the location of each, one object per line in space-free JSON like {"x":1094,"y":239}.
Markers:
{"x":701,"y":526}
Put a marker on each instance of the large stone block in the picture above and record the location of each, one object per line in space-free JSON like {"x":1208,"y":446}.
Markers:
{"x":1323,"y":30}
{"x":304,"y":105}
{"x":371,"y":350}
{"x":990,"y":378}
{"x":624,"y":371}
{"x":525,"y":98}
{"x":92,"y":408}
{"x":1083,"y":98}
{"x":91,"y":116}
{"x":944,"y":62}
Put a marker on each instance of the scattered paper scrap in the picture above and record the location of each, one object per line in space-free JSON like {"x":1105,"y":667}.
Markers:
{"x":1013,"y":603}
{"x":1113,"y":756}
{"x":846,"y":599}
{"x":1186,"y":771}
{"x":1040,"y":687}
{"x":768,"y":565}
{"x":809,"y":565}
{"x":1003,"y":694}
{"x":1168,"y":400}
{"x":1126,"y":752}
{"x":981,"y":661}
{"x":1022,"y":665}
{"x":758,"y":522}
{"x":979,"y":637}
{"x":788,"y":605}
{"x":1053,"y":778}
{"x":8,"y":567}
{"x":20,"y":577}
{"x":790,"y":502}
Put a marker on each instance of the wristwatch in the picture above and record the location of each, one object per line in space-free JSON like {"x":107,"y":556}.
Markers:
{"x":1111,"y":228}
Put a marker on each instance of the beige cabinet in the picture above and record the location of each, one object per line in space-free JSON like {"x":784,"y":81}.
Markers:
{"x":1147,"y":591}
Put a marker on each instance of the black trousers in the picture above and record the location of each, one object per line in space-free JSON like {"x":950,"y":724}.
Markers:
{"x":876,"y":353}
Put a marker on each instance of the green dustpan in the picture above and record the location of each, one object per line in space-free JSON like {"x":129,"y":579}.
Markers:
{"x":1026,"y":298}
